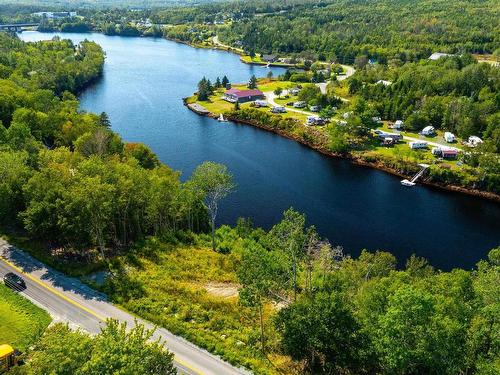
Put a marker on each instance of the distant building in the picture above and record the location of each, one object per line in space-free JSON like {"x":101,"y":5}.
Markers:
{"x":438,"y":55}
{"x":242,"y":96}
{"x":55,"y":15}
{"x":269,"y":58}
{"x":382,"y":82}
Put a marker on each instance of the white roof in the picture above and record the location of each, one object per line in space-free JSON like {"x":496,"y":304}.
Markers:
{"x":399,"y":122}
{"x":475,"y":138}
{"x":438,"y":55}
{"x":428,"y":128}
{"x":382,"y":82}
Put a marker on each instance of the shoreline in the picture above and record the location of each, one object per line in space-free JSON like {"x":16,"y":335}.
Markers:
{"x":355,"y":160}
{"x":352,"y":158}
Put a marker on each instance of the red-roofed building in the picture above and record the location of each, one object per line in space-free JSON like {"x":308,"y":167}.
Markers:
{"x":242,"y":96}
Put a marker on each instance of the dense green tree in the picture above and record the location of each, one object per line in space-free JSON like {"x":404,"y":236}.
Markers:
{"x":322,"y":331}
{"x":252,"y":83}
{"x":260,"y":274}
{"x":214,"y":182}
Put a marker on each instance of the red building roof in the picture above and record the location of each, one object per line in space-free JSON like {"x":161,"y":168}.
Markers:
{"x":244,"y":93}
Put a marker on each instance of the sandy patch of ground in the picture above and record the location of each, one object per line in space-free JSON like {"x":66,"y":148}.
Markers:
{"x":223,"y":290}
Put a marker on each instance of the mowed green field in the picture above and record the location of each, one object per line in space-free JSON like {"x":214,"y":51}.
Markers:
{"x":21,"y":322}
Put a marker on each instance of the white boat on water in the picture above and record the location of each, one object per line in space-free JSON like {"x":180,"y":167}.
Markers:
{"x":221,"y":118}
{"x":406,"y":182}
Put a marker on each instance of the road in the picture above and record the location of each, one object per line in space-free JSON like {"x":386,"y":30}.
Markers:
{"x":270,"y":96}
{"x":430,"y":143}
{"x":69,"y":300}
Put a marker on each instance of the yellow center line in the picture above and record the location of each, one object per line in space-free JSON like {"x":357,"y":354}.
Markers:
{"x":76,"y":304}
{"x":54,"y":291}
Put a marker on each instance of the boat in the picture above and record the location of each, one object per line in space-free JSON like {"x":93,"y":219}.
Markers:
{"x":406,"y":182}
{"x":411,"y":182}
{"x":221,"y":118}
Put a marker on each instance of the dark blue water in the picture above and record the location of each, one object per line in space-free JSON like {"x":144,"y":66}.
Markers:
{"x":142,"y":87}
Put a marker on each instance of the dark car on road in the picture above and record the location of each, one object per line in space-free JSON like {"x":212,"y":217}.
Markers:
{"x":14,"y":281}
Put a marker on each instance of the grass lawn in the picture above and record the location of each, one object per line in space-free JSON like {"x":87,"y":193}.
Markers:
{"x":266,"y":85}
{"x":258,"y":60}
{"x":21,"y":322}
{"x":437,"y":138}
{"x":217,"y":105}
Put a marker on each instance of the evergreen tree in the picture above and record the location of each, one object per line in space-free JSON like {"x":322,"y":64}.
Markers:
{"x":104,"y":120}
{"x":225,"y":81}
{"x":203,"y":89}
{"x":217,"y":83}
{"x":252,"y":84}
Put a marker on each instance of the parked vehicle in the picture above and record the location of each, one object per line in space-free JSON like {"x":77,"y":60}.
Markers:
{"x":278,"y":109}
{"x":417,"y":145}
{"x":449,"y":137}
{"x":14,"y":281}
{"x":290,"y":104}
{"x":7,"y":357}
{"x":299,"y":104}
{"x":261,"y":103}
{"x":474,"y":141}
{"x":314,"y":108}
{"x":428,"y":130}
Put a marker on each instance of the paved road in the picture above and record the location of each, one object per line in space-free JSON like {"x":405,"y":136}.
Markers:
{"x":270,"y":96}
{"x":69,"y":300}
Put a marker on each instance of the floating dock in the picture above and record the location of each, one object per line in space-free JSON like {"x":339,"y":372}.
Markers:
{"x":412,"y":182}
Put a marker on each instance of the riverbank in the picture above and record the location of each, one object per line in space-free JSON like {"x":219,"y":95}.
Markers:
{"x":358,"y":159}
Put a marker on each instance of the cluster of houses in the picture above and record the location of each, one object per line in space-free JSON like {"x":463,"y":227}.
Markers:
{"x":55,"y":15}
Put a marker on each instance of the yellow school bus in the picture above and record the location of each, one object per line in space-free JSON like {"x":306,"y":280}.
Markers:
{"x":7,"y":357}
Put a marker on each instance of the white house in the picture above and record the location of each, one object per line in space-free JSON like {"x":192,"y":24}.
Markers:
{"x":438,"y":55}
{"x":398,"y":124}
{"x":449,"y":137}
{"x":428,"y":130}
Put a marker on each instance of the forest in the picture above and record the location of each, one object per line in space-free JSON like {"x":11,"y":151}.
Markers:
{"x":387,"y":31}
{"x":66,"y":177}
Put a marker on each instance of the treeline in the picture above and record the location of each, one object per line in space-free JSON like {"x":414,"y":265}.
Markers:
{"x":363,"y":316}
{"x":65,"y":176}
{"x":385,"y":30}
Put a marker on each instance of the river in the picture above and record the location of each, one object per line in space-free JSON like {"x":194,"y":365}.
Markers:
{"x":142,"y":88}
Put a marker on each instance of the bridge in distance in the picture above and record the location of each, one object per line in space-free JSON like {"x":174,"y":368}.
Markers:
{"x":17,"y":27}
